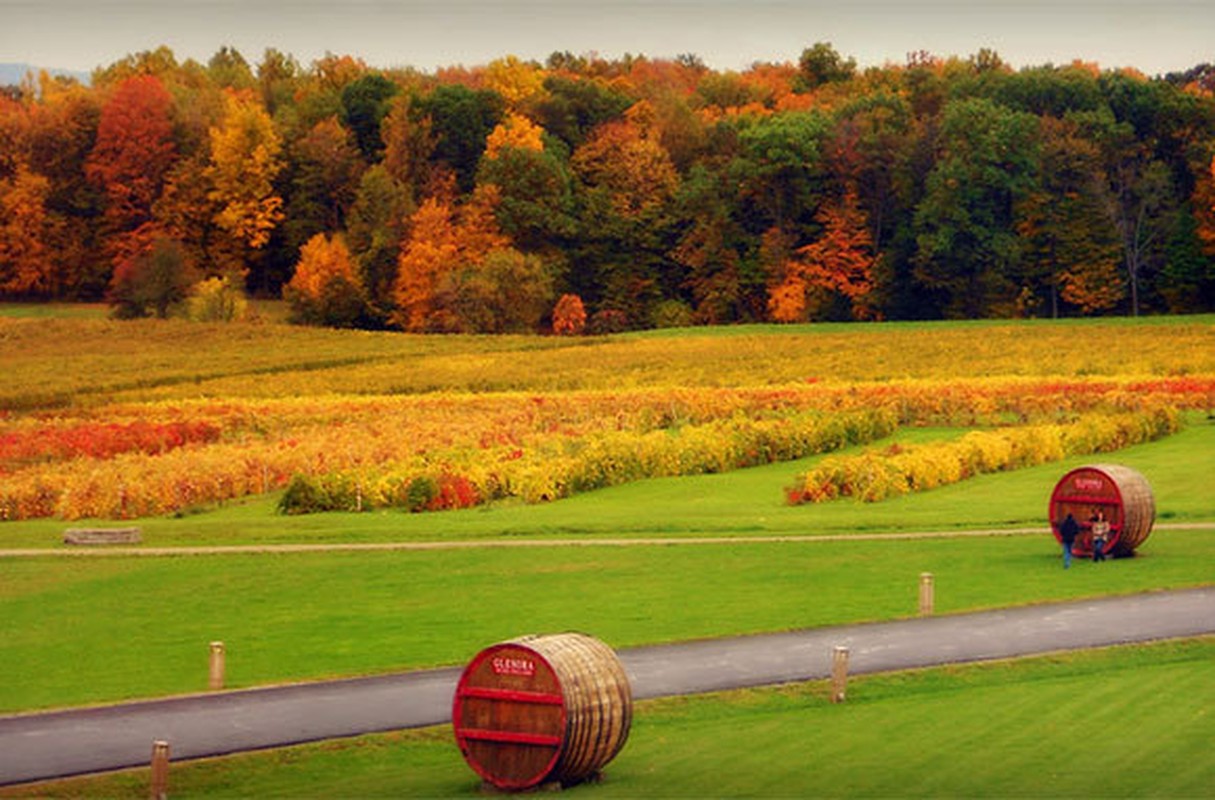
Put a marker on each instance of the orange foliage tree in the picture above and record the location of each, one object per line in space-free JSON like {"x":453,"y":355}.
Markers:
{"x":441,"y":240}
{"x":327,"y":288}
{"x":839,"y":265}
{"x":25,"y":262}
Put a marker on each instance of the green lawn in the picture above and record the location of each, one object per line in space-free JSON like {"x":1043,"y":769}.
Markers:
{"x":143,"y":624}
{"x":1121,"y":722}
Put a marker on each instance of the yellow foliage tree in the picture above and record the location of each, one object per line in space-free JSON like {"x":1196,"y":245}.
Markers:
{"x":514,"y":131}
{"x":321,"y":259}
{"x":633,"y":166}
{"x":246,"y":155}
{"x":518,"y":82}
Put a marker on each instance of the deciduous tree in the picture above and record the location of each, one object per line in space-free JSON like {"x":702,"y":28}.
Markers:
{"x":25,"y":262}
{"x":132,"y":155}
{"x":443,"y":242}
{"x":630,"y":164}
{"x":324,"y":174}
{"x":569,"y":316}
{"x":968,"y":245}
{"x":365,"y":102}
{"x":326,"y":288}
{"x":153,"y":279}
{"x":246,"y":156}
{"x":839,"y":265}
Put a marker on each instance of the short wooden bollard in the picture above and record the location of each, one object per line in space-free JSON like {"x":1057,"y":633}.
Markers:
{"x":159,"y":788}
{"x":216,"y":681}
{"x":926,"y":599}
{"x":839,"y":674}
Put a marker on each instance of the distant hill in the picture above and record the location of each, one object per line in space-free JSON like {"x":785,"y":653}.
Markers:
{"x":13,"y":74}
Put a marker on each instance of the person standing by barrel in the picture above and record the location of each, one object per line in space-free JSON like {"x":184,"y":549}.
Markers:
{"x":1067,"y":534}
{"x":1101,"y":530}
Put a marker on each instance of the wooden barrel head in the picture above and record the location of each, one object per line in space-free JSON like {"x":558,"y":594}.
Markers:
{"x":509,"y":716}
{"x":543,"y":708}
{"x":1121,"y":494}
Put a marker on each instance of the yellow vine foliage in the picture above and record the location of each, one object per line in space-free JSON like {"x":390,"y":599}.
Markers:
{"x":366,"y":451}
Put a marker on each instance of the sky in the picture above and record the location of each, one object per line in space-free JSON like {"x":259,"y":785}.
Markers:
{"x":1155,"y":37}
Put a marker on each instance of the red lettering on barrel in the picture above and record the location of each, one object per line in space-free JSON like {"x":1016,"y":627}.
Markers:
{"x":1089,"y":484}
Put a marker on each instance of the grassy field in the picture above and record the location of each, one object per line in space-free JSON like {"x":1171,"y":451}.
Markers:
{"x":1121,"y":722}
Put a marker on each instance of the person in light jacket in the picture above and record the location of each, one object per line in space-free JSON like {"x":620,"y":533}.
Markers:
{"x":1101,"y":532}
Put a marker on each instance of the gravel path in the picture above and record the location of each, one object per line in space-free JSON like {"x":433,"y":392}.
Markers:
{"x":590,"y":540}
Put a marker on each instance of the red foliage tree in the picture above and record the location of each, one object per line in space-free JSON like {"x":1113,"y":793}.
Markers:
{"x":133,"y":152}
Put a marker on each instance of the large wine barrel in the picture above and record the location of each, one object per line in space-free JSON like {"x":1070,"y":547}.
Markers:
{"x":1122,"y":494}
{"x":542,"y":709}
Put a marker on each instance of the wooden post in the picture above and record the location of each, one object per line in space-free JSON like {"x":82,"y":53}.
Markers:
{"x":926,"y":599}
{"x":839,"y":674}
{"x":159,"y":789}
{"x":217,"y":666}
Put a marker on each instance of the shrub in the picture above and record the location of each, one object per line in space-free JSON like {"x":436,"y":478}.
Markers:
{"x":304,"y":495}
{"x":569,"y":316}
{"x":608,"y":321}
{"x":216,"y":300}
{"x":152,"y":281}
{"x":872,"y":477}
{"x":671,"y":314}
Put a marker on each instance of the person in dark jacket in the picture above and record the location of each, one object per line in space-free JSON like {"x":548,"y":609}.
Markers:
{"x":1068,"y":531}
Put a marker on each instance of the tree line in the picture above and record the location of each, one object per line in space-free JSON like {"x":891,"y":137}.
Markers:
{"x":591,"y":194}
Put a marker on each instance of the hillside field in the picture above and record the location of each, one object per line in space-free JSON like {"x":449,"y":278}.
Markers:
{"x":198,"y":434}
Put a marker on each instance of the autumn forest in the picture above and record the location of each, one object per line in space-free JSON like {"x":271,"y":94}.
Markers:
{"x":585,"y":194}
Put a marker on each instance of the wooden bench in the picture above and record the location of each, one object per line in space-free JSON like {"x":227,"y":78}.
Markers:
{"x":101,"y":536}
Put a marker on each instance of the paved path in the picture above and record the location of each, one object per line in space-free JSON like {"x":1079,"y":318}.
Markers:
{"x":39,"y":746}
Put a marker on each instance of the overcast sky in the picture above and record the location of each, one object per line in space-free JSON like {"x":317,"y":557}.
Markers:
{"x":1157,"y":37}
